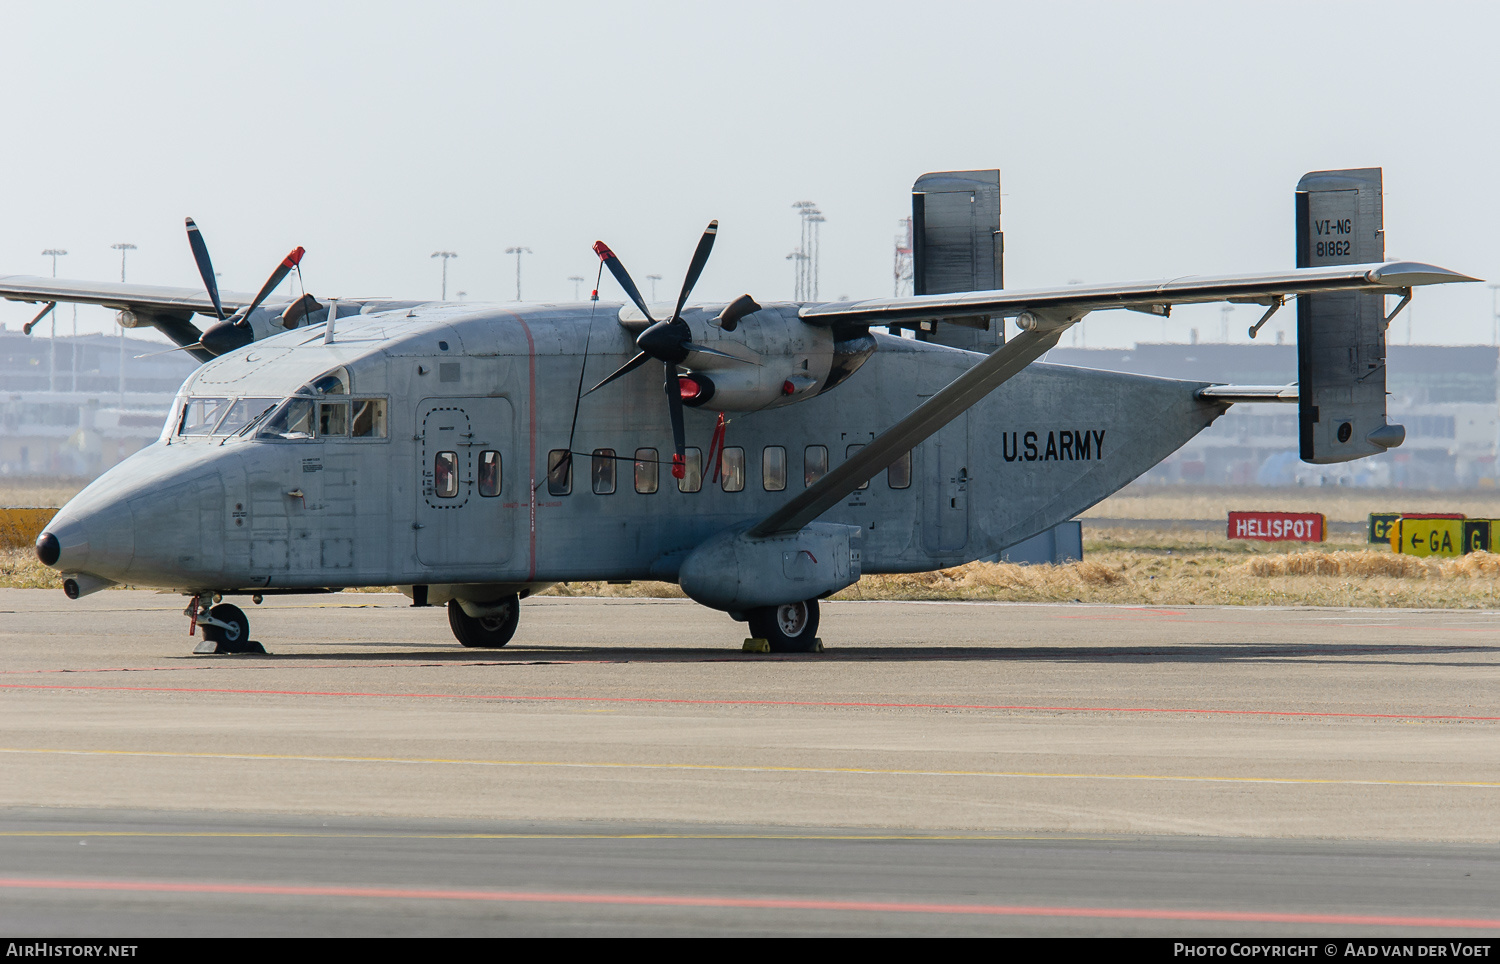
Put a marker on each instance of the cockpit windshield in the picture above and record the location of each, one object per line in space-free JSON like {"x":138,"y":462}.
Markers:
{"x":201,"y":415}
{"x":220,"y":416}
{"x":294,"y":419}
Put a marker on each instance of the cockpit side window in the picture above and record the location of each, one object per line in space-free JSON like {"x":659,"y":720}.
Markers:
{"x":369,"y":418}
{"x":333,"y":419}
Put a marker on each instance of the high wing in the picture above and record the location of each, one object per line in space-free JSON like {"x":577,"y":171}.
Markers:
{"x":1154,"y":297}
{"x":1044,"y":314}
{"x":117,"y":295}
{"x":169,"y":310}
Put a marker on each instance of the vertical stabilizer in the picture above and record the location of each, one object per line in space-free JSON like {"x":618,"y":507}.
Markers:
{"x":1341,"y":337}
{"x":957,"y":246}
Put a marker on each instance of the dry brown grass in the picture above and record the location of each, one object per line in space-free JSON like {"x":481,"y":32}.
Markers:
{"x":20,"y":569}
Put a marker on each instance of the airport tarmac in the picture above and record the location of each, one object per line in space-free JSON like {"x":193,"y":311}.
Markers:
{"x":942,"y":768}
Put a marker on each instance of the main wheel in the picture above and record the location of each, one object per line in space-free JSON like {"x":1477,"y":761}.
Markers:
{"x":789,"y":628}
{"x":233,"y":639}
{"x":486,"y":632}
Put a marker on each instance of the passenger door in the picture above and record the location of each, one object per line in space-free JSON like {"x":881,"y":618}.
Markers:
{"x":457,"y":524}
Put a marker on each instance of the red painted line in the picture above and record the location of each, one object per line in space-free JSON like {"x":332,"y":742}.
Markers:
{"x":828,"y":704}
{"x":751,"y":903}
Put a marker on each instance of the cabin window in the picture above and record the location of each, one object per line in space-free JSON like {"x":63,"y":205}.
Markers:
{"x":646,"y":466}
{"x":898,"y":475}
{"x":559,"y":472}
{"x":732,"y":466}
{"x":201,"y":415}
{"x":603,"y":472}
{"x":293,"y":420}
{"x":243,"y":412}
{"x":445,"y":475}
{"x":814,"y":463}
{"x":369,"y":418}
{"x":773,"y":468}
{"x":333,"y":419}
{"x":489,"y":473}
{"x":692,"y":479}
{"x":849,"y":454}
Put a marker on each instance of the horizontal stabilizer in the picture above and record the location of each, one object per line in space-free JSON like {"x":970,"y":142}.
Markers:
{"x":1249,"y":393}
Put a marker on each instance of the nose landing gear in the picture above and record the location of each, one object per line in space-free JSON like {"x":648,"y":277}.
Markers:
{"x":226,"y":629}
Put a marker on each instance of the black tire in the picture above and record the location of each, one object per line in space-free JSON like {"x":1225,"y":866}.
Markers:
{"x":486,"y":632}
{"x":789,"y":628}
{"x":235,"y":639}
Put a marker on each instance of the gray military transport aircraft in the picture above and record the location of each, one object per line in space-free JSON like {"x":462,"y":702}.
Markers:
{"x":432,"y":445}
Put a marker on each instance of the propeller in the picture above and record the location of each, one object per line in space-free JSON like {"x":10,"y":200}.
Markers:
{"x":234,"y":331}
{"x":669,"y":342}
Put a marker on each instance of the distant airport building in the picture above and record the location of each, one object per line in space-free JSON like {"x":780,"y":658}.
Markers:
{"x":1445,"y":395}
{"x":62,"y":408}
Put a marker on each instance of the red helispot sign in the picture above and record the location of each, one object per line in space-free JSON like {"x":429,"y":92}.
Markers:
{"x":1279,"y":526}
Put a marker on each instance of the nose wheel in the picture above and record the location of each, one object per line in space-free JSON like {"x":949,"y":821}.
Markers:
{"x":226,"y":628}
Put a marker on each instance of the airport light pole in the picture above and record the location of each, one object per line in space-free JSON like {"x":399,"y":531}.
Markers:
{"x":54,"y":254}
{"x":445,"y":255}
{"x":124,"y":247}
{"x":653,"y":278}
{"x":577,"y":280}
{"x":518,"y":251}
{"x":815,"y":219}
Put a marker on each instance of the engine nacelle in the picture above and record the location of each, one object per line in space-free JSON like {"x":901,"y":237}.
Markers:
{"x":778,"y":358}
{"x":735,"y":573}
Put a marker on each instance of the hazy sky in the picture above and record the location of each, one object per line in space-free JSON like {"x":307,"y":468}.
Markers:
{"x":1134,"y":141}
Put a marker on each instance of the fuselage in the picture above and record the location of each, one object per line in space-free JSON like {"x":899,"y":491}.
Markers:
{"x":425,"y":446}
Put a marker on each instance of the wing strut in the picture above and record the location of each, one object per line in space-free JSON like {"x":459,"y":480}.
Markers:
{"x":923,"y":421}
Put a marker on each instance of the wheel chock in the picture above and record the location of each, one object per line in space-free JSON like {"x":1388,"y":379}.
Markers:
{"x":817,"y":646}
{"x":757,"y":645}
{"x":209,"y":648}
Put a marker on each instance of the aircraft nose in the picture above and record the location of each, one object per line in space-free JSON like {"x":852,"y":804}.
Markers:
{"x":64,"y":544}
{"x":48,"y":549}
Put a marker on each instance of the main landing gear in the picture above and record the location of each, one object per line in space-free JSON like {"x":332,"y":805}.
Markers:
{"x":226,"y":629}
{"x":492,"y":627}
{"x":788,"y":628}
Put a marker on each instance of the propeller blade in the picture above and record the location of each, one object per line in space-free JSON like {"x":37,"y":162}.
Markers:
{"x":205,"y":266}
{"x":277,"y":277}
{"x":196,"y":344}
{"x":695,"y":267}
{"x":625,"y":369}
{"x":691,"y":346}
{"x":612,"y":262}
{"x":679,"y":435}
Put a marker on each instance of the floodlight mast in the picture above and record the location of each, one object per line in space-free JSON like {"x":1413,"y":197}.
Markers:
{"x":445,"y":255}
{"x":518,"y":251}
